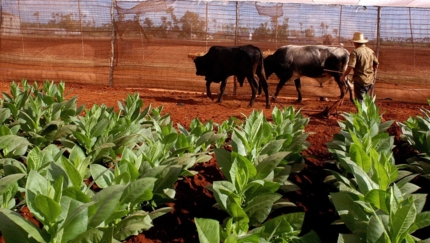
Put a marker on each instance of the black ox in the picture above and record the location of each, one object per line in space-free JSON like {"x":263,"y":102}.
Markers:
{"x":319,"y":62}
{"x":242,"y":61}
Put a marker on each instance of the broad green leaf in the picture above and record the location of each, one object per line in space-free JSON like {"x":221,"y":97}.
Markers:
{"x":73,"y":174}
{"x":96,"y":235}
{"x":259,"y":208}
{"x":290,"y":224}
{"x":7,"y":181}
{"x":224,"y":160}
{"x":107,"y":201}
{"x":49,"y":208}
{"x":350,"y":212}
{"x":240,"y":143}
{"x":422,"y":220}
{"x":265,"y":167}
{"x":402,"y":220}
{"x":221,"y":190}
{"x":167,"y":178}
{"x":74,"y":218}
{"x":37,"y":185}
{"x":208,"y":230}
{"x":132,"y":225}
{"x":100,"y":128}
{"x":138,"y":191}
{"x":359,"y":156}
{"x":379,"y":199}
{"x":19,"y":230}
{"x":365,"y":183}
{"x":103,"y":176}
{"x":160,"y":212}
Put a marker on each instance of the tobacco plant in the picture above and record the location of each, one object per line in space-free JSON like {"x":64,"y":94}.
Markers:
{"x":133,"y":157}
{"x":255,"y":170}
{"x":375,"y":201}
{"x":416,"y":132}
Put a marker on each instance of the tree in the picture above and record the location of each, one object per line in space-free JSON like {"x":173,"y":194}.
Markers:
{"x":283,"y":29}
{"x":261,"y":32}
{"x":335,"y":31}
{"x":322,"y":26}
{"x":148,"y":23}
{"x":37,"y":14}
{"x":310,"y":32}
{"x":192,"y":25}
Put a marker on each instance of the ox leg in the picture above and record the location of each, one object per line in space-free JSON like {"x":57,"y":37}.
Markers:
{"x":342,"y":85}
{"x":254,"y":88}
{"x":262,"y":84}
{"x":208,"y":90}
{"x":221,"y":90}
{"x":281,"y":84}
{"x":298,"y":89}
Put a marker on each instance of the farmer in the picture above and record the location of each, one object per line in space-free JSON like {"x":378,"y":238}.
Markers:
{"x":364,"y":63}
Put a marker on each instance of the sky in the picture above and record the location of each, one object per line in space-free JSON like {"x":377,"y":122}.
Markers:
{"x":395,"y":20}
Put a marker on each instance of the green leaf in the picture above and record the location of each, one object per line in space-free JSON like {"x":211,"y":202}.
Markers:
{"x":224,"y":160}
{"x":351,"y":213}
{"x":17,"y":229}
{"x":37,"y":185}
{"x":49,"y":208}
{"x":73,"y":174}
{"x":359,"y":156}
{"x":167,"y":178}
{"x":208,"y":230}
{"x":221,"y":191}
{"x":95,"y":235}
{"x":422,"y":220}
{"x":379,"y":199}
{"x":268,"y":164}
{"x":402,"y":220}
{"x":103,"y":176}
{"x":133,"y":225}
{"x":290,"y":224}
{"x":7,"y":181}
{"x":138,"y":191}
{"x":107,"y":201}
{"x":259,"y":208}
{"x":75,"y":216}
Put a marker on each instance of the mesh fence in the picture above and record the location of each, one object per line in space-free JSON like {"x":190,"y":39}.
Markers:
{"x":149,"y":44}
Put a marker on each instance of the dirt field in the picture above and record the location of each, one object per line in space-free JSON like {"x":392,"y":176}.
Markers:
{"x":194,"y":200}
{"x":157,"y":70}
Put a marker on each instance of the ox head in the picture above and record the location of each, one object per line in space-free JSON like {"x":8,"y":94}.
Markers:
{"x":200,"y":66}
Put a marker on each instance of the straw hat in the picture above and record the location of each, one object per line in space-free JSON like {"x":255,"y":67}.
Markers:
{"x":359,"y":38}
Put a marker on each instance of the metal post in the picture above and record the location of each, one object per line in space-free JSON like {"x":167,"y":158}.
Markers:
{"x":20,"y":32}
{"x":276,"y":27}
{"x":378,"y":33}
{"x":340,"y":25}
{"x":80,"y":28}
{"x":412,"y":35}
{"x":206,"y":37}
{"x":112,"y":42}
{"x":235,"y":43}
{"x":378,"y":44}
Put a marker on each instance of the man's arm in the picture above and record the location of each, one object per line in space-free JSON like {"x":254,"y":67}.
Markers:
{"x":347,"y":71}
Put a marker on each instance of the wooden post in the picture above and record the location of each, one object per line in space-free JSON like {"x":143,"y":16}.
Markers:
{"x":112,"y":42}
